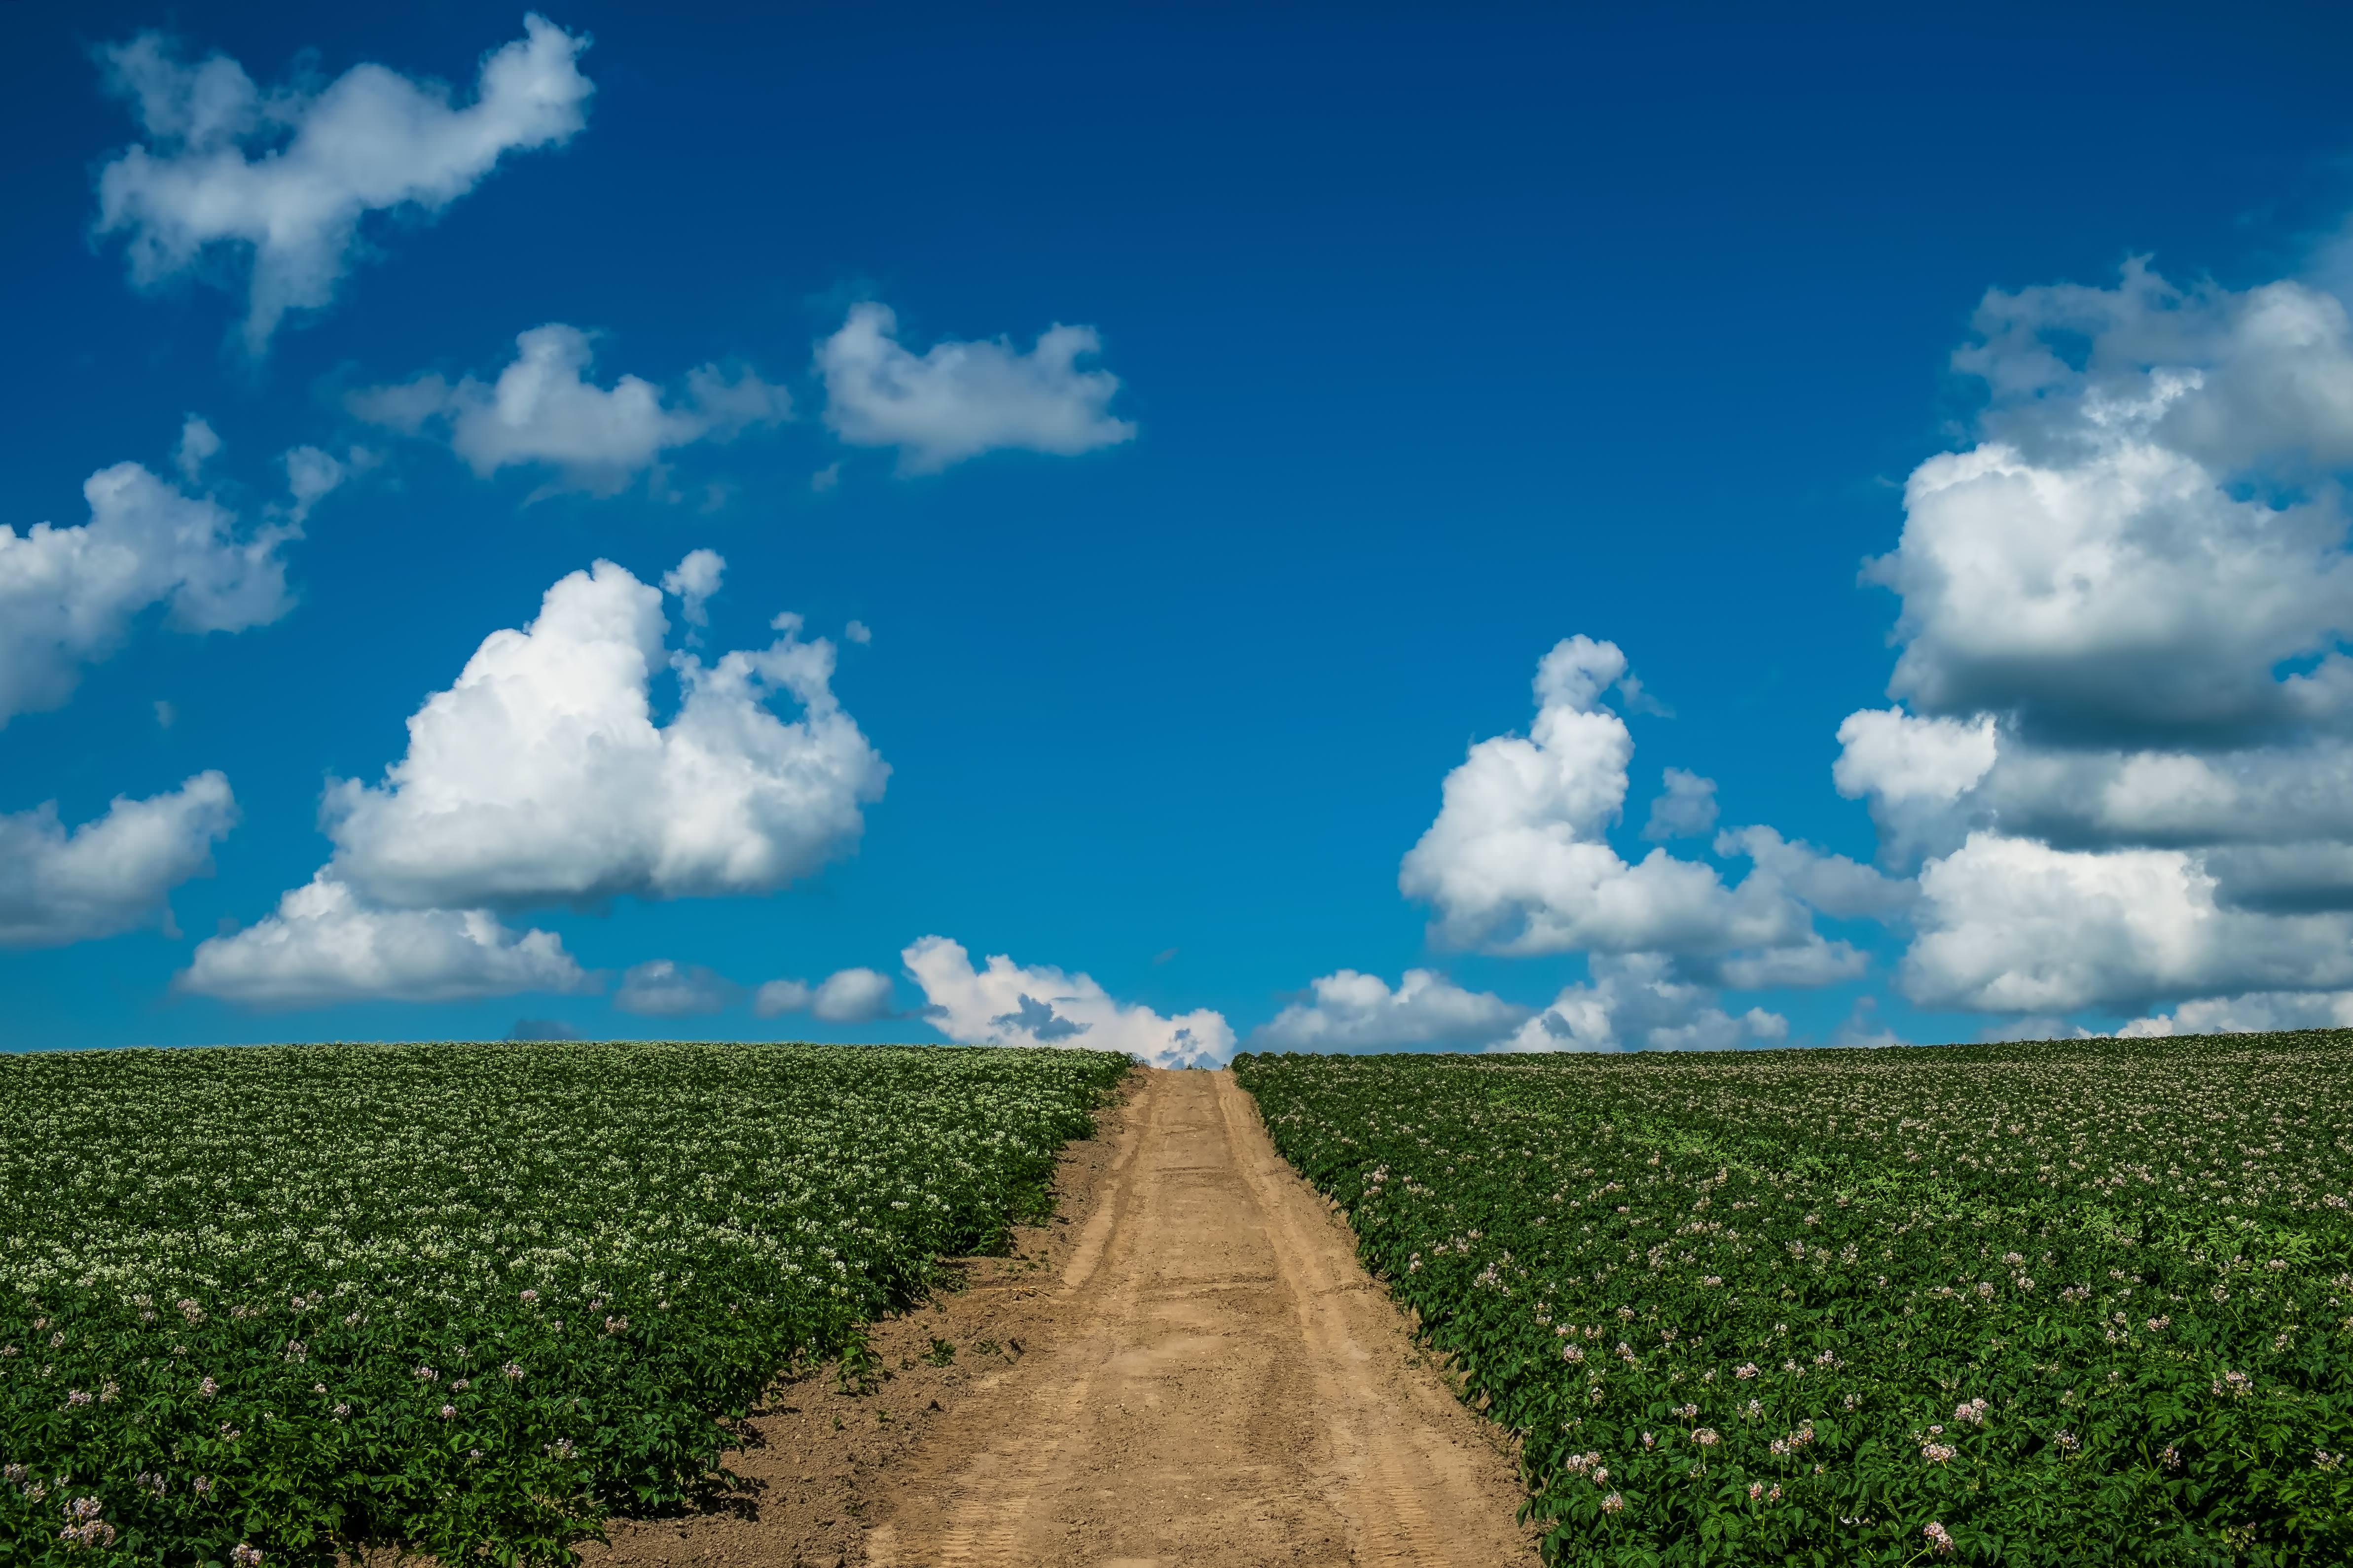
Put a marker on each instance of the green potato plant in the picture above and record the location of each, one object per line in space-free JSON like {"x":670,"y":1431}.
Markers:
{"x":2053,"y":1303}
{"x":275,"y":1304}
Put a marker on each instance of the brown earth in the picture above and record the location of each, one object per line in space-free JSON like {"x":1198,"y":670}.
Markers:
{"x":1188,"y":1367}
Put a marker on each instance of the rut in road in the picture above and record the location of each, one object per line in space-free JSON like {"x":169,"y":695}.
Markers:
{"x":1222,"y":1386}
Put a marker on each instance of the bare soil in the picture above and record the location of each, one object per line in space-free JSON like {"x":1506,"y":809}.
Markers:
{"x":1186,"y":1367}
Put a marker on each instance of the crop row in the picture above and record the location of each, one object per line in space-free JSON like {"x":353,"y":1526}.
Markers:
{"x":2053,"y":1303}
{"x":269,"y":1304}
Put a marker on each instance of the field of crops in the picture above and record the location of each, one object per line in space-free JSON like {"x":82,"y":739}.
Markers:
{"x":258,"y":1304}
{"x":2054,"y":1303}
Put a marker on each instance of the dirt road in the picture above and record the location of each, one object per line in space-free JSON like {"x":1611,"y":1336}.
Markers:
{"x":1211,"y":1380}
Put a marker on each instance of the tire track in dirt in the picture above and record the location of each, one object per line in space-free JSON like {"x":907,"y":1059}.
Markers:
{"x":989,"y":1508}
{"x":1213,"y":1381}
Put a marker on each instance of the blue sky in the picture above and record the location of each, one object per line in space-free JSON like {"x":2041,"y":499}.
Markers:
{"x":1439,"y":337}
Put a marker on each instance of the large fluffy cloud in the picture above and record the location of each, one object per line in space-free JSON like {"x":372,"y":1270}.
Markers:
{"x":1350,"y":1011}
{"x":2090,"y":570}
{"x":1891,"y":755}
{"x":68,"y":596}
{"x":541,"y":775}
{"x":2270,"y":367}
{"x":286,"y":175}
{"x":1833,"y":884}
{"x":958,"y":400}
{"x":2113,"y":593}
{"x":324,"y":944}
{"x":543,"y":410}
{"x":1519,"y":861}
{"x":2124,"y":752}
{"x":58,"y":886}
{"x":1007,"y":1003}
{"x":1635,"y":1001}
{"x":2011,"y":924}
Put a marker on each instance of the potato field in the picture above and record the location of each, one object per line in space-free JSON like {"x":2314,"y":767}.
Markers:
{"x":2062,"y":1303}
{"x":263,"y":1305}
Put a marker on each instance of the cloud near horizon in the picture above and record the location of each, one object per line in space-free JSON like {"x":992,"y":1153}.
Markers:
{"x":324,"y":944}
{"x":1007,"y":1003}
{"x":661,"y":988}
{"x":845,"y":997}
{"x":1348,"y":1011}
{"x":1634,"y":1002}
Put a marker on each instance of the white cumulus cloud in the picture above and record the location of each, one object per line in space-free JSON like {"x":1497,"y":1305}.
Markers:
{"x":284,"y":178}
{"x":1891,"y":755}
{"x":845,"y":997}
{"x":2090,"y":570}
{"x":543,"y":410}
{"x":2124,"y":755}
{"x":777,"y":997}
{"x":59,"y":885}
{"x":1833,"y":884}
{"x":1634,"y":1002}
{"x":664,"y":989}
{"x":692,"y":582}
{"x":2270,"y":368}
{"x":1519,"y":861}
{"x":2010,"y":924}
{"x":541,"y":776}
{"x":1350,"y":1011}
{"x":958,"y":400}
{"x":68,"y":596}
{"x":2115,"y":591}
{"x":324,"y":944}
{"x":852,"y":996}
{"x":1007,"y":1003}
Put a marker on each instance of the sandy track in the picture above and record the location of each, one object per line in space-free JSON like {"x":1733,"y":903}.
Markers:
{"x":1213,"y":1380}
